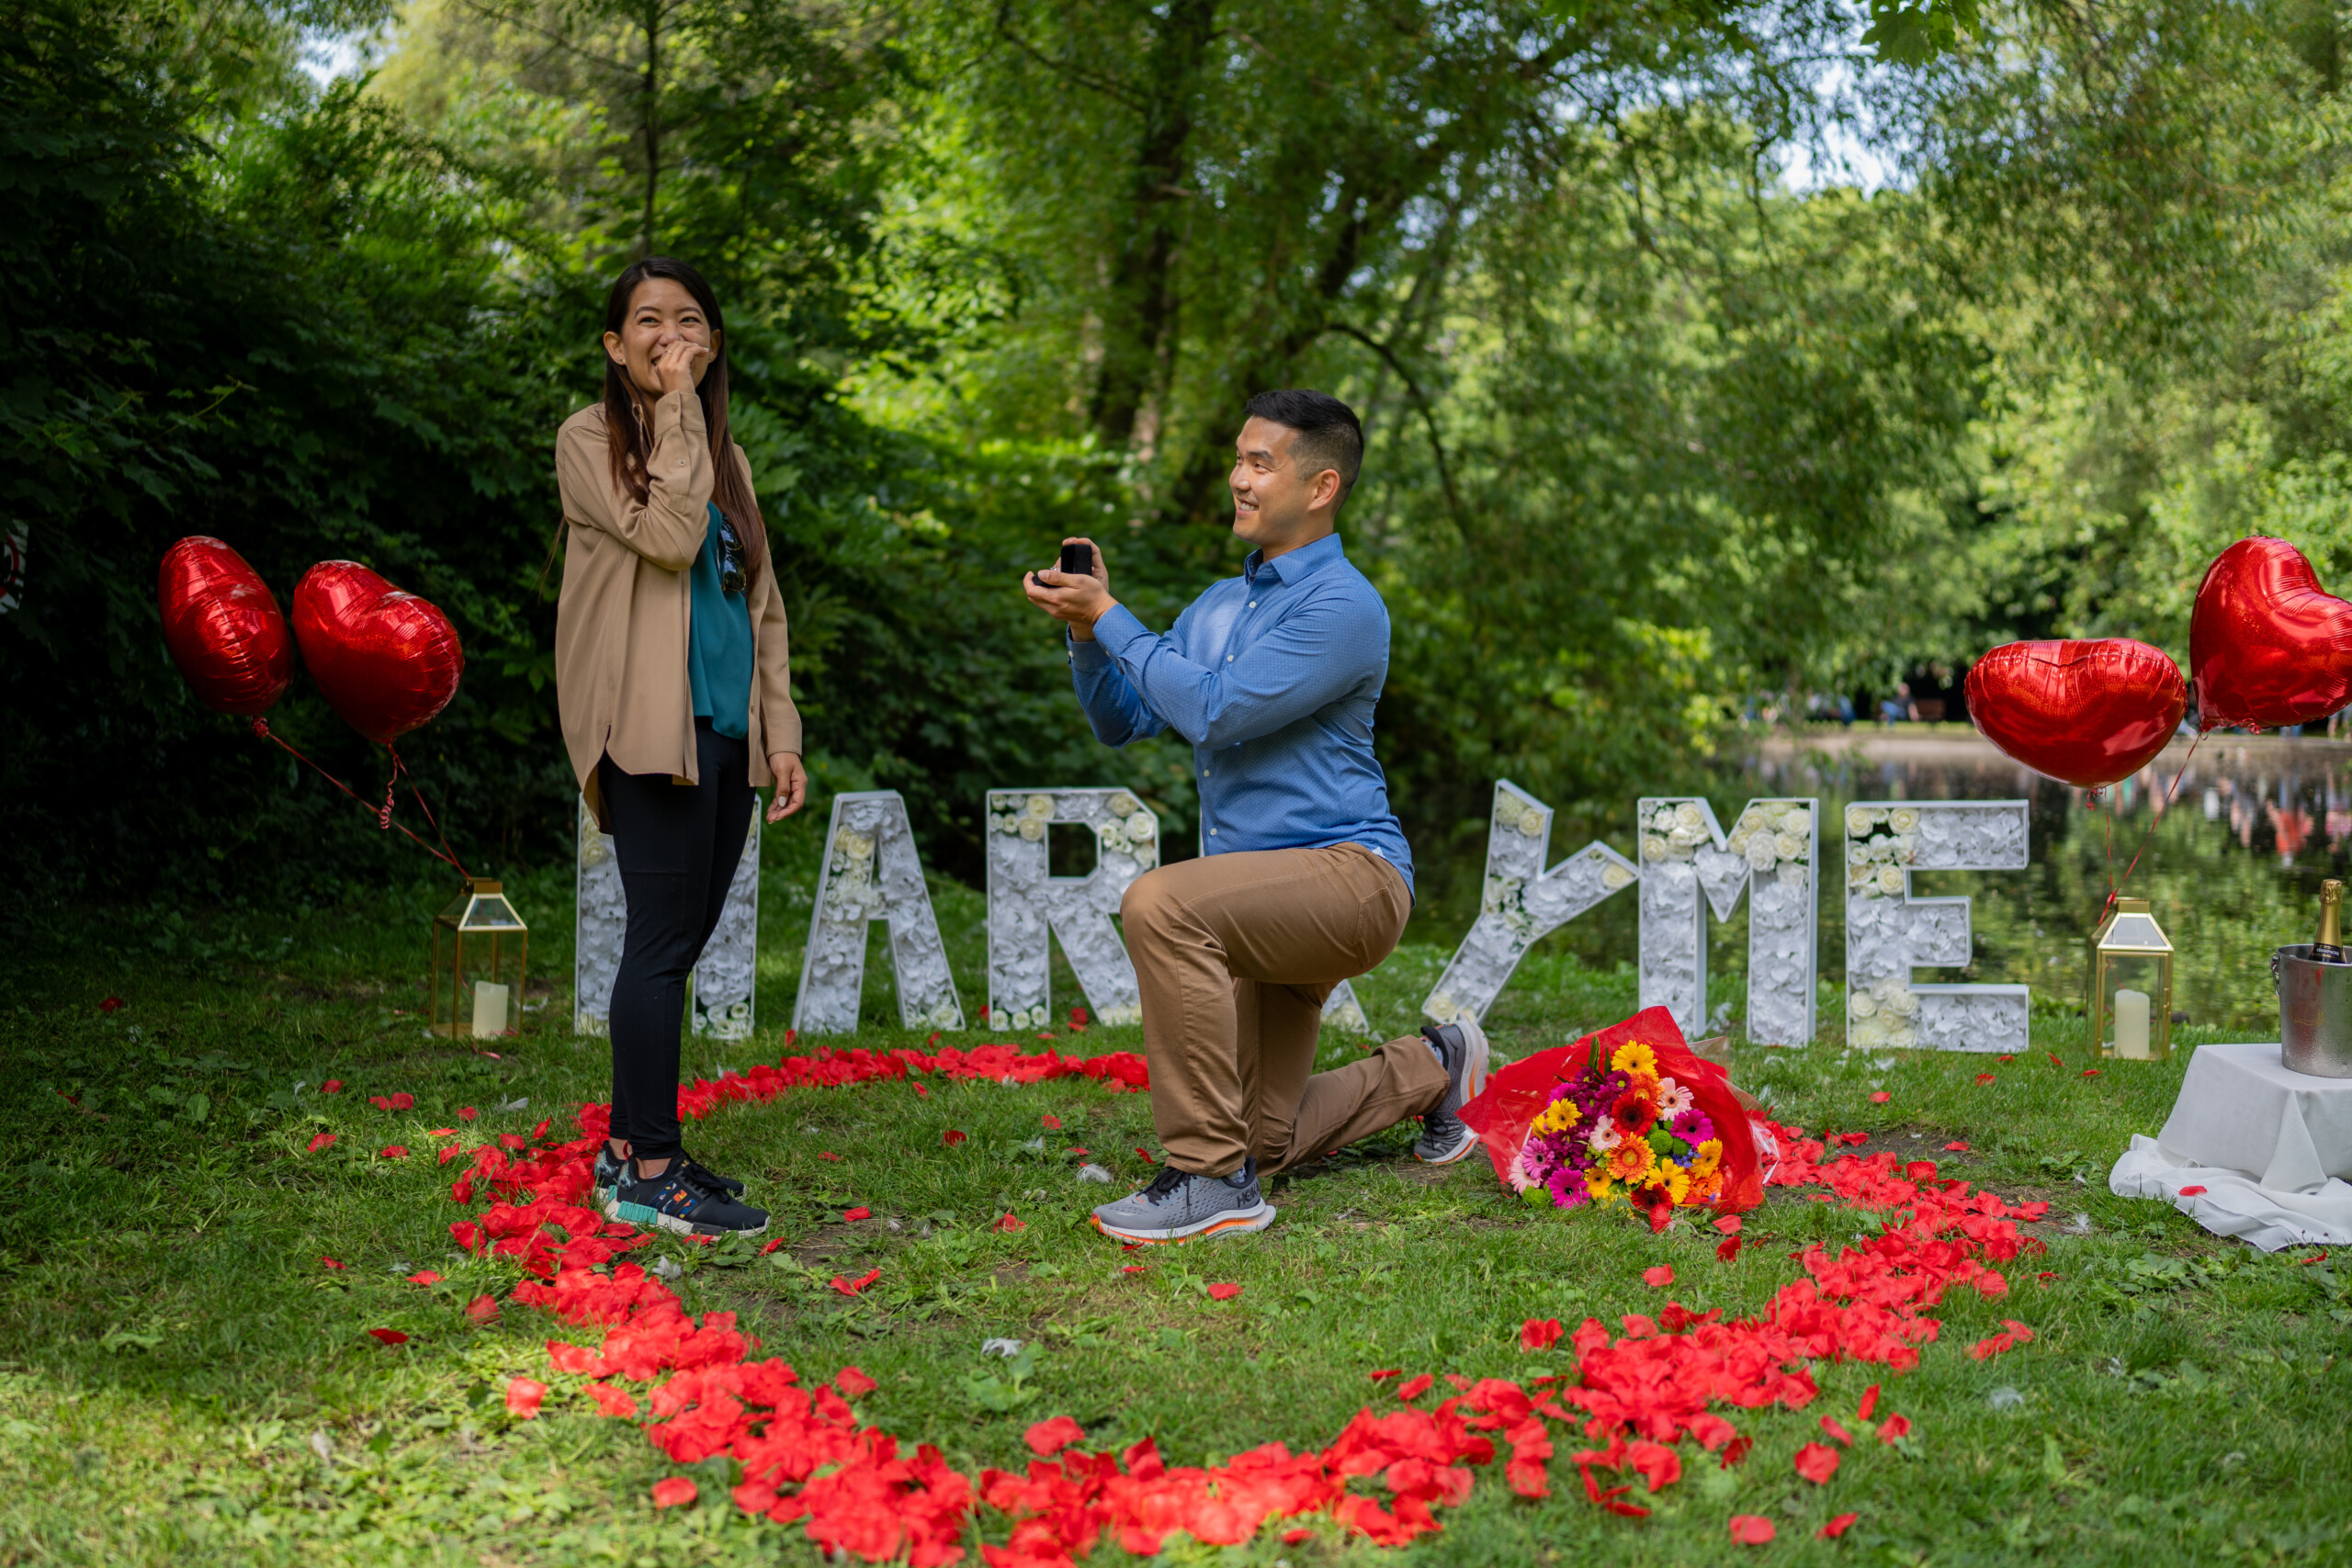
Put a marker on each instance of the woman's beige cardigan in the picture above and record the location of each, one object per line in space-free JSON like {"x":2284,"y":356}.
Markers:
{"x":625,"y":611}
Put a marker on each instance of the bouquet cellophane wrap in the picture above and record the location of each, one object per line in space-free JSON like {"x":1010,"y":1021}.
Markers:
{"x":1517,"y":1094}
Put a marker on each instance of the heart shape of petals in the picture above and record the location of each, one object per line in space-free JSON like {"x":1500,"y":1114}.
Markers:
{"x":222,"y":627}
{"x":2267,"y":646}
{"x":386,"y":660}
{"x":2092,"y":712}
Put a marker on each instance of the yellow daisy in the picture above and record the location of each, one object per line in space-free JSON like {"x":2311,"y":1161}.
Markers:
{"x":1637,"y":1058}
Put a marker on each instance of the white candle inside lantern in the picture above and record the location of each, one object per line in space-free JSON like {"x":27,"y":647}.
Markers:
{"x":2132,"y":1025}
{"x":490,"y":1012}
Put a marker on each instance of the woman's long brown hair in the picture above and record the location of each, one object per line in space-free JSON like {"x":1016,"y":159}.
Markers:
{"x":625,"y":428}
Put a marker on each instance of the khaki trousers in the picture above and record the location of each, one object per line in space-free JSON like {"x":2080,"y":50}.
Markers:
{"x":1235,"y":954}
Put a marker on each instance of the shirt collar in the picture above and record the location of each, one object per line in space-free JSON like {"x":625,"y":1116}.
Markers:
{"x":1296,"y":567}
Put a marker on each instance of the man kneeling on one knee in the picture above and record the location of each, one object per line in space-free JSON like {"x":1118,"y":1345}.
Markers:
{"x":1304,"y":880}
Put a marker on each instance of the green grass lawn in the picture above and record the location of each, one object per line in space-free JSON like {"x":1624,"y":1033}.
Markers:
{"x":185,"y":1380}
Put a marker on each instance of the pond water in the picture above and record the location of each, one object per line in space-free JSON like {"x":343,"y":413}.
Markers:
{"x":2235,"y":853}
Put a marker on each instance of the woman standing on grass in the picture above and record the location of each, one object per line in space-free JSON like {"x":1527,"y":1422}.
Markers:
{"x":673,"y":681}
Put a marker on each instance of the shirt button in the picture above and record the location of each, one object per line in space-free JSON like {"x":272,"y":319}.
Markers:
{"x":1228,"y":658}
{"x":1211,"y":832}
{"x":1253,"y":604}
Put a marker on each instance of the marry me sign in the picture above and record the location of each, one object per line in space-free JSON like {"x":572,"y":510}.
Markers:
{"x":1686,"y":867}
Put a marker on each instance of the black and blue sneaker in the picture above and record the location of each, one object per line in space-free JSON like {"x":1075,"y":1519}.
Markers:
{"x":605,"y":1187}
{"x":685,"y":1199}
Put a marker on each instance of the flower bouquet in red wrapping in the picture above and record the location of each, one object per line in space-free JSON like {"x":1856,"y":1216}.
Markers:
{"x":1630,"y":1113}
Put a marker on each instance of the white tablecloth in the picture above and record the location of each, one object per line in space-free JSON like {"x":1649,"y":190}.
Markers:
{"x":2271,"y":1148}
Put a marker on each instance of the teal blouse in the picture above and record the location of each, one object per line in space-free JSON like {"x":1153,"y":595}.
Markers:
{"x":719,"y":655}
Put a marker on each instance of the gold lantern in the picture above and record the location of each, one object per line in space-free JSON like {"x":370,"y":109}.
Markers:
{"x":2131,"y":986}
{"x":479,"y":945}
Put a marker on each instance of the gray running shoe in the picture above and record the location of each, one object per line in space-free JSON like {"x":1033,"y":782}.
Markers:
{"x":1181,"y":1206}
{"x":1462,"y":1044}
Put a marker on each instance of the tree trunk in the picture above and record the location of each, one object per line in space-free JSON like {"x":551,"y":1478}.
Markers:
{"x":1140,"y":312}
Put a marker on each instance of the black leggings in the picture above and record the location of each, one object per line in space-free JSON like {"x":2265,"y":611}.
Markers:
{"x":678,"y":847}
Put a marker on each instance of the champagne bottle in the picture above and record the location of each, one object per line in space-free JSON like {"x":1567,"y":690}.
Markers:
{"x":2329,"y":946}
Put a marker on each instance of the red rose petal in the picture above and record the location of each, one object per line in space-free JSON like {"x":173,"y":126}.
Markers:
{"x":852,"y":1217}
{"x":482,"y":1309}
{"x":1837,"y":1526}
{"x":951,"y":1137}
{"x":853,"y":1384}
{"x":112,"y":1004}
{"x":1386,"y":1372}
{"x":1869,"y":1404}
{"x":1817,"y":1462}
{"x":1223,"y":1292}
{"x":672,"y":1491}
{"x":1752,"y":1530}
{"x":467,"y":1113}
{"x":324,"y":1140}
{"x":330,"y":1262}
{"x":1008,"y":1225}
{"x":610,"y":1401}
{"x":1894,"y":1427}
{"x":1660,"y":1276}
{"x":1133,"y":1268}
{"x":1730,"y":1224}
{"x":1416,"y":1388}
{"x":1539,"y":1332}
{"x":771,"y":1247}
{"x":1049,"y":1438}
{"x":2090,"y":1072}
{"x":1983,"y":1078}
{"x":1052,"y":1121}
{"x":394,"y":1151}
{"x":1727,"y":1249}
{"x":1881,"y":1098}
{"x":1957,"y":1146}
{"x":425,"y":1277}
{"x":827,"y":1154}
{"x":2191,"y":1191}
{"x":332,"y":1086}
{"x":523,"y":1397}
{"x":389,"y":1336}
{"x":1829,"y":1425}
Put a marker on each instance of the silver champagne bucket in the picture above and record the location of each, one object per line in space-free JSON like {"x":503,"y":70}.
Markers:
{"x":2314,"y":1013}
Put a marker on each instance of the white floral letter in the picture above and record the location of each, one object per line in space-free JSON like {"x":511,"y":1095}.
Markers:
{"x":1522,"y":903}
{"x":1770,"y":854}
{"x":1888,"y":932}
{"x":872,"y":872}
{"x":722,"y":987}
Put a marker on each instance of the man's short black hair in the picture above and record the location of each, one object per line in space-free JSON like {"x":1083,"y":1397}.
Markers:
{"x":1329,"y":435}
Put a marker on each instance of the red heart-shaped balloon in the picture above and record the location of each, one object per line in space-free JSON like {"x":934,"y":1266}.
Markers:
{"x":2090,"y":713}
{"x":222,"y":627}
{"x":2267,"y":646}
{"x":386,"y":660}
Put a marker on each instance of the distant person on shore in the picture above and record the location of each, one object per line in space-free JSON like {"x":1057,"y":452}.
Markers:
{"x":1896,"y":709}
{"x":673,"y":681}
{"x":1304,"y":878}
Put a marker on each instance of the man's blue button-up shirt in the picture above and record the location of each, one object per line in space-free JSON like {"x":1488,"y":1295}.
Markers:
{"x":1273,"y":676}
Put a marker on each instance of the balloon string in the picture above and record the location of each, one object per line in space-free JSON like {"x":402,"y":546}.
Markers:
{"x":2155,"y":816}
{"x":399,"y":768}
{"x":263,"y":731}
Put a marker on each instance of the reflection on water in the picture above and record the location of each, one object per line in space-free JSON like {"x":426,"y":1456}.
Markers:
{"x":2232,"y":867}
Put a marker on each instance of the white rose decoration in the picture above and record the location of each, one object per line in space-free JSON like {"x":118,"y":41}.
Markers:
{"x":1760,"y":852}
{"x":1752,"y":819}
{"x":1858,"y":854}
{"x":1652,"y":847}
{"x":1123,"y":805}
{"x":1889,"y":879}
{"x":1530,"y":824}
{"x":1663,"y":822}
{"x":1798,"y":820}
{"x":1857,"y":822}
{"x":1861,"y":1004}
{"x":1903,"y":820}
{"x":1033,"y":828}
{"x":1041,"y":806}
{"x":1788,"y":846}
{"x":1687,"y":815}
{"x":1613,"y":875}
{"x":1441,"y":1007}
{"x":1142,"y":827}
{"x":1902,"y":1035}
{"x":1904,"y":1003}
{"x":1739,"y":840}
{"x":1905,"y":847}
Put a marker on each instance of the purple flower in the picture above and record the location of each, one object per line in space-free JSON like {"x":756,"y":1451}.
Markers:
{"x":1693,"y":1127}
